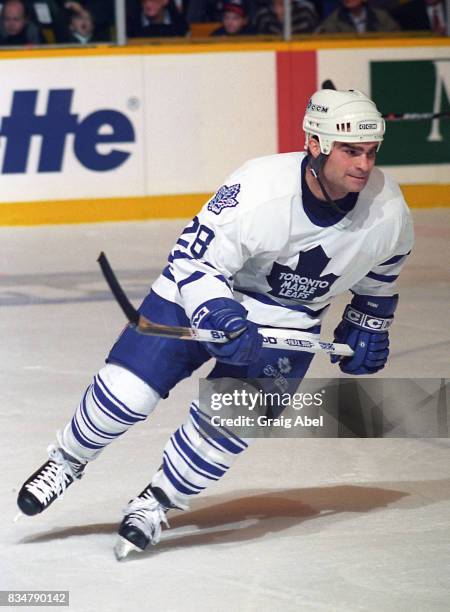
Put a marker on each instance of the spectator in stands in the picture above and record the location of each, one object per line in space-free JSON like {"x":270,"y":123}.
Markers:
{"x":423,"y":15}
{"x":101,"y":12}
{"x":156,"y":18}
{"x":357,"y":16}
{"x":16,"y":28}
{"x":234,"y":20}
{"x":270,"y":19}
{"x":80,"y":24}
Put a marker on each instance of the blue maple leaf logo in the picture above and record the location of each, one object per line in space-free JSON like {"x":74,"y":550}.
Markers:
{"x":305,"y":281}
{"x":226,"y":197}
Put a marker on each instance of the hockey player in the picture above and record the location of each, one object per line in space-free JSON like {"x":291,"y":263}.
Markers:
{"x":282,"y":237}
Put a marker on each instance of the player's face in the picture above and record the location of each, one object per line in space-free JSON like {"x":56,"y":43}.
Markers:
{"x":348,"y":167}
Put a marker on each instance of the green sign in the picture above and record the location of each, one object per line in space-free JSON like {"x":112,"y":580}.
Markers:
{"x":421,"y":86}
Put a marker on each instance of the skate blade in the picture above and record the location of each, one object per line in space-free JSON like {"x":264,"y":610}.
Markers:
{"x":18,"y":517}
{"x":123,"y":547}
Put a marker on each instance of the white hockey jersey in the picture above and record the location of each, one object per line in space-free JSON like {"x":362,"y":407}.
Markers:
{"x":263,"y":242}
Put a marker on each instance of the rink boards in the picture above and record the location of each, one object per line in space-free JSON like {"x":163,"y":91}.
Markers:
{"x":150,"y":132}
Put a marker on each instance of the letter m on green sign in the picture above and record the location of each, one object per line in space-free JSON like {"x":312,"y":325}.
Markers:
{"x":421,"y":86}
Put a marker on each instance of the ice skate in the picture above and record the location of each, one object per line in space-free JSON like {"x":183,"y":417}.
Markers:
{"x":49,"y":482}
{"x":142,"y":522}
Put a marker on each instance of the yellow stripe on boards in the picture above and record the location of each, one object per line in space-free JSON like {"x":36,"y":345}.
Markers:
{"x":160,"y":207}
{"x":97,"y":210}
{"x":427,"y":196}
{"x":183,"y":46}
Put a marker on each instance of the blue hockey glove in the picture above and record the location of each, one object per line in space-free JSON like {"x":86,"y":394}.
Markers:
{"x":227,"y":315}
{"x":364,"y":327}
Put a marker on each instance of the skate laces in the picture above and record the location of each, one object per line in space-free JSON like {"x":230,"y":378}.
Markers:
{"x":147,"y":514}
{"x":54,"y":478}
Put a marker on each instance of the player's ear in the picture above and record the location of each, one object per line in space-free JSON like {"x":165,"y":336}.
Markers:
{"x":314,"y":146}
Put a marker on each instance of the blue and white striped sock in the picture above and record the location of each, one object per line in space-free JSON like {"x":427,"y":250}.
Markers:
{"x":192,"y":460}
{"x":116,"y":400}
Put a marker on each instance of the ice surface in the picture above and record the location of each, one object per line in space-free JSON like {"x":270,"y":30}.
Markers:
{"x":335,"y":525}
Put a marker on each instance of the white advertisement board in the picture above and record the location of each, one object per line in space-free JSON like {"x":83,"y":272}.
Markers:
{"x":71,"y":128}
{"x":206,"y":114}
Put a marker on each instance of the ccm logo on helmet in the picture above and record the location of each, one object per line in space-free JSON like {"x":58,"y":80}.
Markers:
{"x":367,"y":321}
{"x":317,"y":107}
{"x":367,"y":126}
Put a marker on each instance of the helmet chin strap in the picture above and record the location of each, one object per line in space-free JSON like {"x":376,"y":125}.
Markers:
{"x":316,"y":165}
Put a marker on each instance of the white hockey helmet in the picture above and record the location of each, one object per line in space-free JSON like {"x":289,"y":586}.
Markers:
{"x":342,"y":116}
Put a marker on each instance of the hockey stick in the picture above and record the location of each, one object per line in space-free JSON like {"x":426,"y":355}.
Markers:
{"x":328,"y":84}
{"x":273,"y":338}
